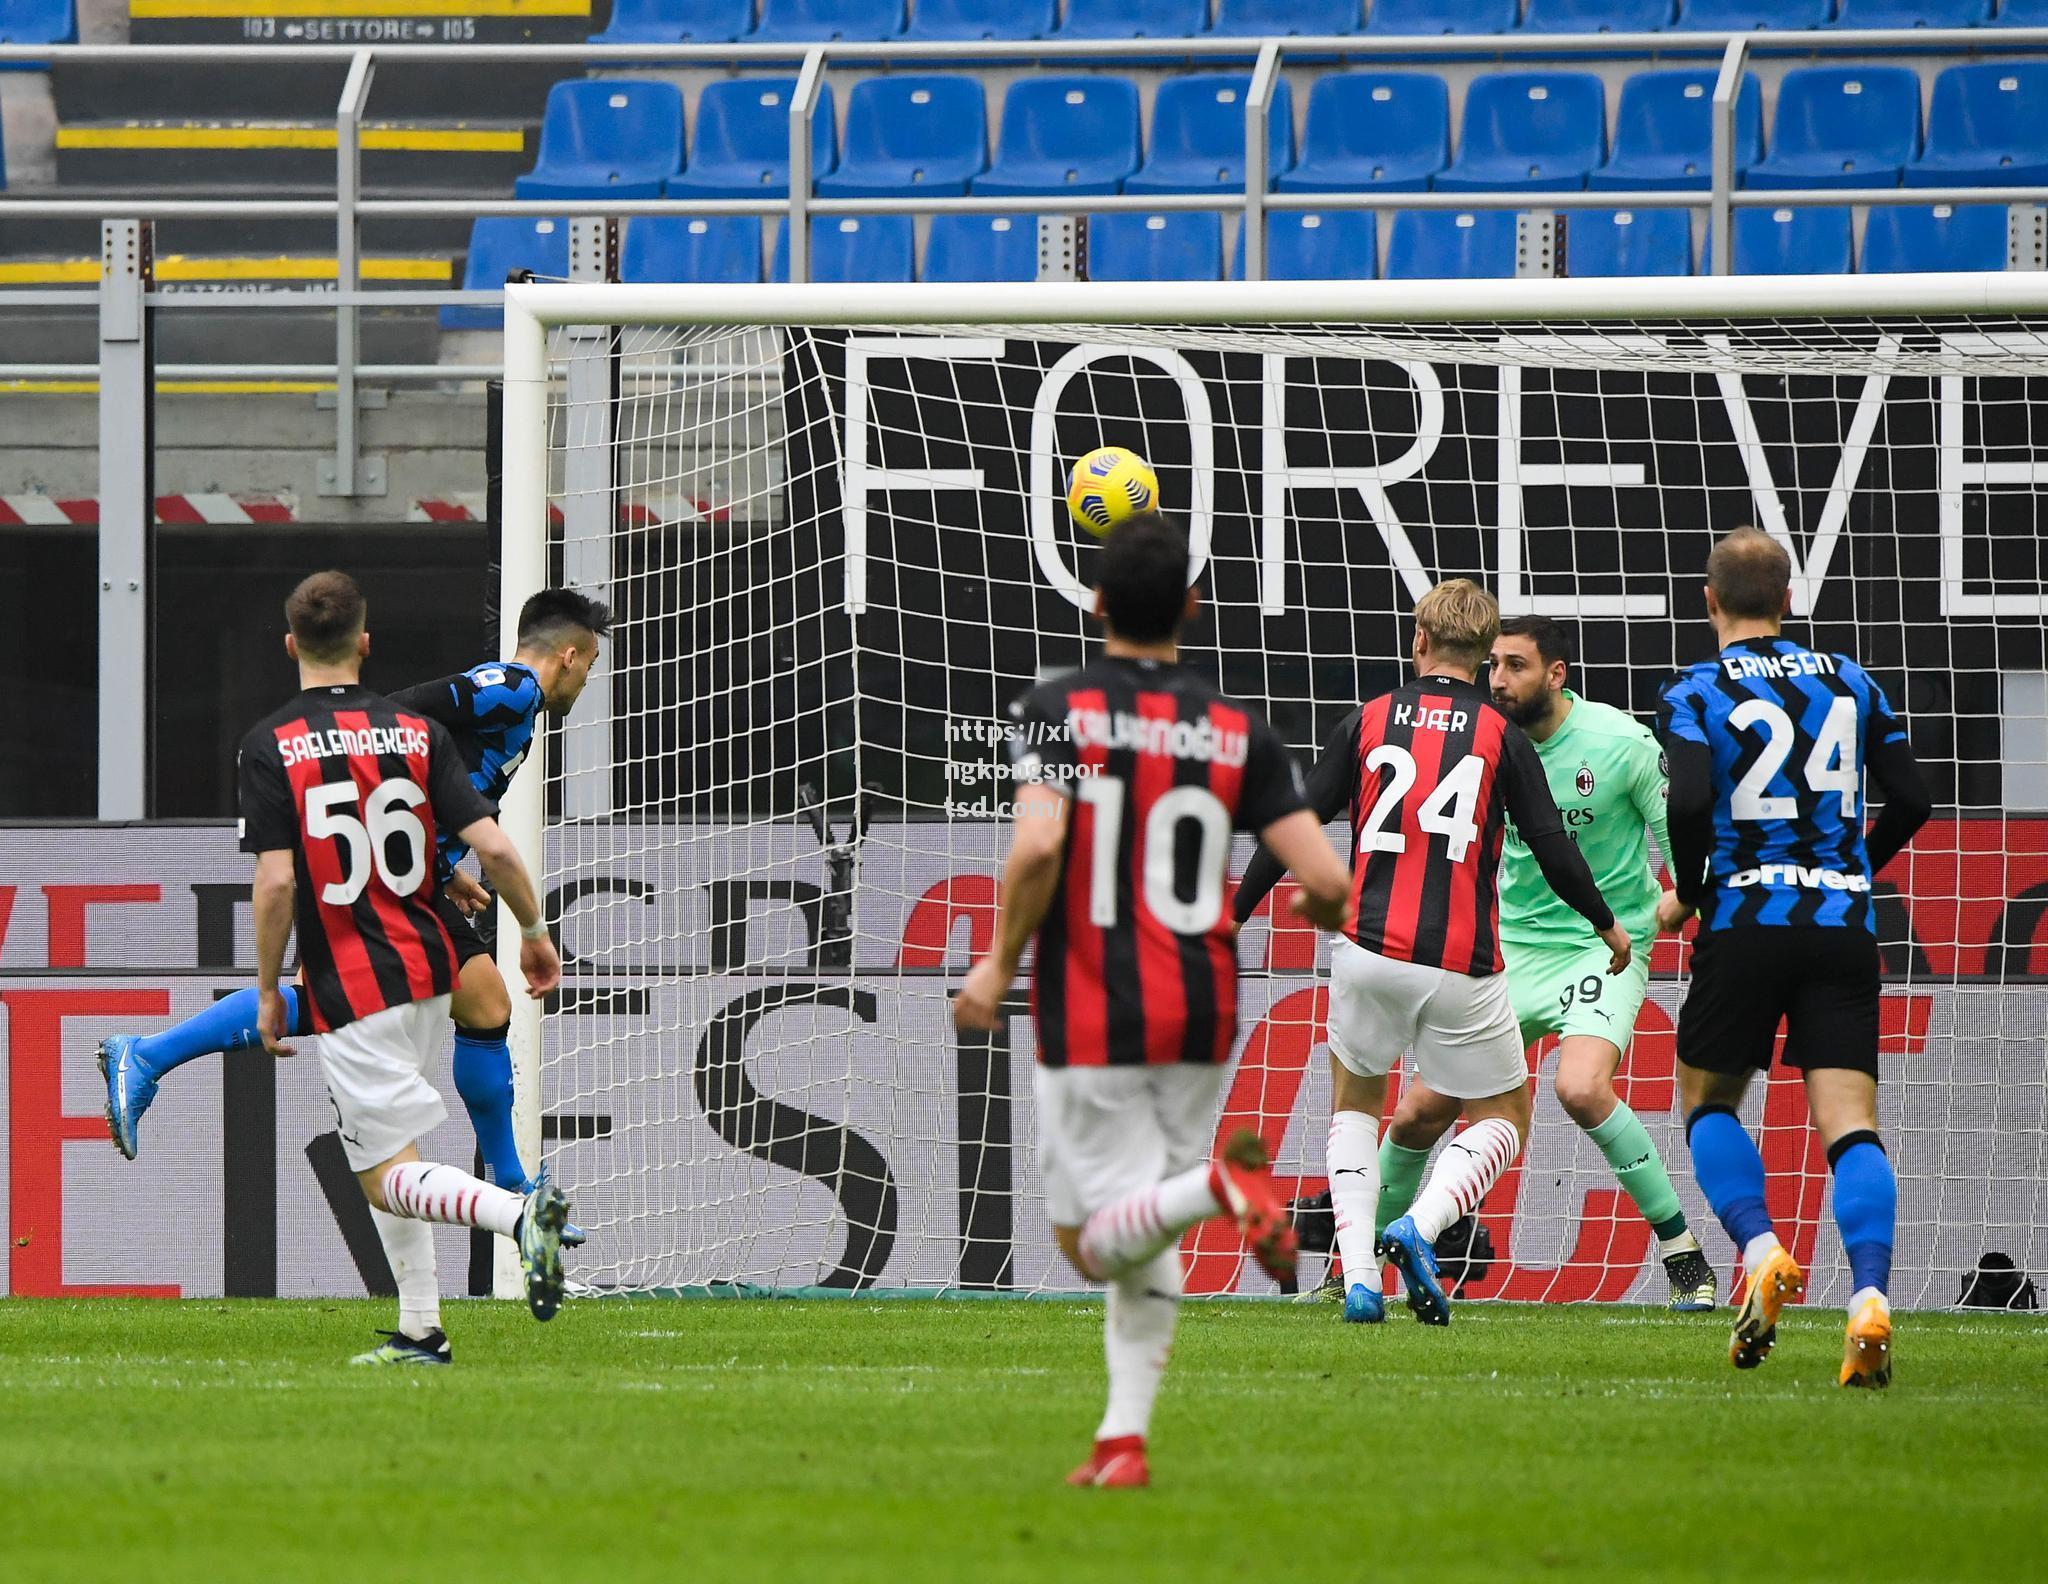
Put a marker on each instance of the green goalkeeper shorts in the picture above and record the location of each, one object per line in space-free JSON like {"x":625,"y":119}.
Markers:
{"x":1568,"y":990}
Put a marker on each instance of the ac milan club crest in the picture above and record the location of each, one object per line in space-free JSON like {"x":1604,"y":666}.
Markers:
{"x":1584,"y":781}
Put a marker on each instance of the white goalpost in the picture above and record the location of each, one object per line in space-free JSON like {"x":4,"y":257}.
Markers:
{"x":829,"y":522}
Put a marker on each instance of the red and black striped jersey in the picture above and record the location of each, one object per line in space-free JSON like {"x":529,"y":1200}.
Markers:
{"x":357,"y":788}
{"x":1428,"y":773}
{"x":1136,"y":960}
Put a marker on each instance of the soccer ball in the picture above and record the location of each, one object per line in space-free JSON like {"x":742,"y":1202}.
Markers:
{"x":1108,"y":485}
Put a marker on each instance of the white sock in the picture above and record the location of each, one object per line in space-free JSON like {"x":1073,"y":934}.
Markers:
{"x":1354,"y":1165}
{"x":1131,"y":1231}
{"x":424,"y":1191}
{"x":1684,"y":1243}
{"x":1757,"y":1250}
{"x":1471,"y":1163}
{"x":409,"y":1249}
{"x":1137,"y":1336}
{"x":1864,"y":1295}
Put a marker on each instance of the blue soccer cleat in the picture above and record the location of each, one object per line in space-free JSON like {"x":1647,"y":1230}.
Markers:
{"x":539,"y":1235}
{"x":1412,"y":1255}
{"x":130,"y":1088}
{"x":1364,"y":1305}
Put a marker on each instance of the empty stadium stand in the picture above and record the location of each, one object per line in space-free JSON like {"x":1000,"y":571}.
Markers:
{"x":707,"y":249}
{"x":1065,"y":133}
{"x":908,"y":135}
{"x":1440,"y":244}
{"x":1139,"y":247}
{"x":1373,"y":132}
{"x":1335,"y":244}
{"x":1532,"y":131}
{"x":1664,"y":132}
{"x":1904,"y":238}
{"x":854,"y":248}
{"x":599,"y":137}
{"x":677,"y":22}
{"x":1842,"y":126}
{"x":1198,"y":126}
{"x":1628,"y":242}
{"x":1985,"y":124}
{"x":1796,"y":241}
{"x":978,"y":247}
{"x":741,"y":147}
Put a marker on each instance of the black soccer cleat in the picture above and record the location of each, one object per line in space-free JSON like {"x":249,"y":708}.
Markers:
{"x":1693,"y":1287}
{"x":398,"y":1348}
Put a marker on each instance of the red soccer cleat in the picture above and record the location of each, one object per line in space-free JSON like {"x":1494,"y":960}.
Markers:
{"x":1238,"y":1179}
{"x":1118,"y":1463}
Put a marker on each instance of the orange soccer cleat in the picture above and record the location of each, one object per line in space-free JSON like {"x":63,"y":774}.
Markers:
{"x":1117,"y":1464}
{"x":1238,"y":1179}
{"x":1777,"y":1282}
{"x":1867,"y":1347}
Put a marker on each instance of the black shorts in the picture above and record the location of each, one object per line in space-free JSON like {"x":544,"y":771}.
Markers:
{"x":1822,"y":982}
{"x":472,"y":937}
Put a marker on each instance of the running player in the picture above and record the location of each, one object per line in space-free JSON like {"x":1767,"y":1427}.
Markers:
{"x":491,"y":711}
{"x":1430,"y":773}
{"x":1132,"y":773}
{"x":1768,"y":743}
{"x":342,"y":793}
{"x":1607,"y":777}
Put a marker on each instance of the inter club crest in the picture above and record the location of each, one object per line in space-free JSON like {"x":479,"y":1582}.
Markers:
{"x":1584,"y":781}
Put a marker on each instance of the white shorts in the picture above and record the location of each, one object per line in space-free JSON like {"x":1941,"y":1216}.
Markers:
{"x":376,"y":1077}
{"x":1104,"y":1132}
{"x":1461,"y":1029}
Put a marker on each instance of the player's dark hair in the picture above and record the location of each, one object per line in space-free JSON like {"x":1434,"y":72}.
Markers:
{"x":1143,"y":576}
{"x":1551,"y":642}
{"x":326,"y":612}
{"x":553,"y":613}
{"x":1749,"y":573}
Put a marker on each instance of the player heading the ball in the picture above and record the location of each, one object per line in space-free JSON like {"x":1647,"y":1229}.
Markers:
{"x":1430,"y":773}
{"x":343,"y":794}
{"x":1131,"y":774}
{"x":1768,"y":743}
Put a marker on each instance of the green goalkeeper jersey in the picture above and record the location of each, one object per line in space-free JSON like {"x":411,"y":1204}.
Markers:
{"x":1609,"y":779}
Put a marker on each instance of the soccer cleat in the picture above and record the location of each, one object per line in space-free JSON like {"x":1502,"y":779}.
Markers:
{"x":1116,"y":1464}
{"x":1693,"y":1288}
{"x":1329,"y":1290}
{"x":1364,"y":1305}
{"x":130,"y":1088}
{"x":1867,"y":1347}
{"x":1777,"y":1282}
{"x":539,"y":1236}
{"x":1404,"y":1244}
{"x":1237,"y":1178}
{"x":573,"y":1236}
{"x":398,"y":1348}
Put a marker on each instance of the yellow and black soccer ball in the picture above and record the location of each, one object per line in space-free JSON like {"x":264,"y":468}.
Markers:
{"x":1108,"y":485}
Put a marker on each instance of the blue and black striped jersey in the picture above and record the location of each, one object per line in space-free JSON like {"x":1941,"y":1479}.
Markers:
{"x":490,"y":710}
{"x":1789,"y":732}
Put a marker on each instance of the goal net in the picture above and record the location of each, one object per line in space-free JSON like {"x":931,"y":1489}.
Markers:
{"x":830,"y":521}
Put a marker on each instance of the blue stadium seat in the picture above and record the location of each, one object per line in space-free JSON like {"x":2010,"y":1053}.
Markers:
{"x":1597,"y":16}
{"x":1197,"y":142}
{"x":822,"y":21}
{"x":1441,"y":16}
{"x":982,"y":247}
{"x":705,"y":249}
{"x":981,"y":19}
{"x":1278,"y":18}
{"x":1628,"y":242}
{"x":499,"y":245}
{"x":909,"y":135}
{"x":1117,"y":19}
{"x":1065,"y":134}
{"x":742,"y":145}
{"x":1911,"y":13}
{"x":1746,"y":16}
{"x":1373,"y":132}
{"x":1535,"y":131}
{"x":853,"y":248}
{"x":2022,"y":13}
{"x":37,"y":22}
{"x":1155,"y":247}
{"x":1913,"y":238}
{"x":1664,"y":132}
{"x":1985,"y":124}
{"x":676,"y":22}
{"x":604,"y":137}
{"x":1335,"y":244}
{"x":1842,"y":126}
{"x":1792,"y":241}
{"x":1439,"y":244}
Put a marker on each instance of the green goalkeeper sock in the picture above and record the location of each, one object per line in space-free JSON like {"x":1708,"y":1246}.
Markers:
{"x":1400,"y":1180}
{"x":1626,"y":1143}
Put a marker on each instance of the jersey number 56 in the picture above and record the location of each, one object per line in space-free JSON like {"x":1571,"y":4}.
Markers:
{"x":367,"y":843}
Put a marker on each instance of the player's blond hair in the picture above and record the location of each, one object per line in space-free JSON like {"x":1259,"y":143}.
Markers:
{"x":1462,"y":621}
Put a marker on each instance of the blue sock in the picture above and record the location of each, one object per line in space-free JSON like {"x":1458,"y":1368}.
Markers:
{"x":228,"y":1025}
{"x":1866,"y":1207}
{"x":1729,"y":1171}
{"x":483,"y":1077}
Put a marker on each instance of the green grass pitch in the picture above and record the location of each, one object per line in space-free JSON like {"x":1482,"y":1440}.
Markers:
{"x":904,"y":1441}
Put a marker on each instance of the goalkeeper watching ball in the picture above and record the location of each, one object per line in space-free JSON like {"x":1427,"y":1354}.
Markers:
{"x":1108,"y":485}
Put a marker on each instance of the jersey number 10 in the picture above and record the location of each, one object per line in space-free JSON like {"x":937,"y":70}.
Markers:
{"x":1198,"y":914}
